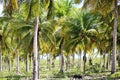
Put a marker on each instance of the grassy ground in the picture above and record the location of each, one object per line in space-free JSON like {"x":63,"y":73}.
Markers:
{"x":46,"y":74}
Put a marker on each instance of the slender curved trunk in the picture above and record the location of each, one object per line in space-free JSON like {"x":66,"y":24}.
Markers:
{"x":27,"y":62}
{"x":35,"y":50}
{"x":0,"y":62}
{"x":113,"y":69}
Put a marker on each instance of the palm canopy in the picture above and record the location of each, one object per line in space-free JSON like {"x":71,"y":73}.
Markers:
{"x":102,"y":6}
{"x":82,"y":28}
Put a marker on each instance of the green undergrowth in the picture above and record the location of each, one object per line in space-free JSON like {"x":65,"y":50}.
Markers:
{"x":12,"y":75}
{"x":46,"y":74}
{"x":115,"y":75}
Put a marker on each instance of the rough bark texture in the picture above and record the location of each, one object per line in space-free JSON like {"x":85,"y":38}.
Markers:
{"x":35,"y":50}
{"x":114,"y":37}
{"x":27,"y":62}
{"x":0,"y":61}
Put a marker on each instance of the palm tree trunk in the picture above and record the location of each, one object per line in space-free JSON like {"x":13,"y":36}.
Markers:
{"x":84,"y":65}
{"x":0,"y":62}
{"x":59,"y":60}
{"x":67,"y":63}
{"x":108,"y":60}
{"x":48,"y":61}
{"x":79,"y":58}
{"x":38,"y":65}
{"x":50,"y":64}
{"x":9,"y":65}
{"x":53,"y":62}
{"x":114,"y":38}
{"x":18,"y":63}
{"x":61,"y":56}
{"x":9,"y":62}
{"x":27,"y":62}
{"x":31,"y":63}
{"x":73,"y":59}
{"x":101,"y":53}
{"x":104,"y":58}
{"x":35,"y":50}
{"x":49,"y":58}
{"x":62,"y":63}
{"x":38,"y":57}
{"x":90,"y":61}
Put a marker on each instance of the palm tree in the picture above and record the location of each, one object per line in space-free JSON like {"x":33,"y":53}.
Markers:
{"x":83,"y":30}
{"x":106,"y":7}
{"x":113,"y":70}
{"x":62,"y":9}
{"x":34,"y":6}
{"x":9,"y":7}
{"x":26,"y":28}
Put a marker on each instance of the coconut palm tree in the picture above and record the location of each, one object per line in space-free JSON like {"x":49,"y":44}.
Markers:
{"x":106,"y":7}
{"x":34,"y":7}
{"x":9,"y":8}
{"x":25,"y":28}
{"x":62,"y":9}
{"x":83,"y":29}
